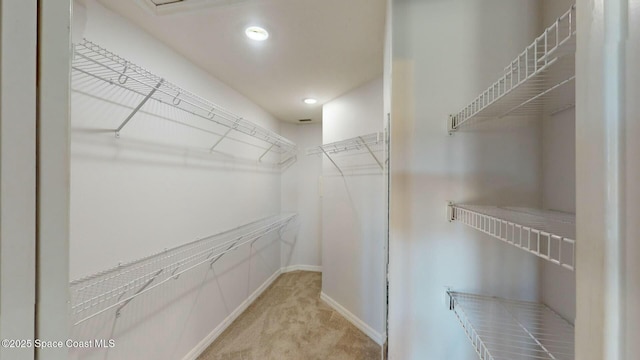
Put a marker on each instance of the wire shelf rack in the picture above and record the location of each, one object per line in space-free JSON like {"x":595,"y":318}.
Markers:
{"x":545,"y":233}
{"x":540,"y":79}
{"x":113,"y":289}
{"x":369,"y":144}
{"x":92,"y":61}
{"x":502,"y":329}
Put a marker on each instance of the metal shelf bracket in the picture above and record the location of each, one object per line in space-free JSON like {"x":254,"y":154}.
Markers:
{"x":450,"y":212}
{"x":450,"y":123}
{"x":146,"y":98}
{"x":371,"y":152}
{"x":173,"y":273}
{"x":141,"y":289}
{"x":333,"y":162}
{"x":233,"y":127}
{"x":266,"y":152}
{"x":221,"y":255}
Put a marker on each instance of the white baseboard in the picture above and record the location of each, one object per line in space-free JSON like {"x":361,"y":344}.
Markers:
{"x":291,"y":268}
{"x":209,"y":339}
{"x":356,"y":321}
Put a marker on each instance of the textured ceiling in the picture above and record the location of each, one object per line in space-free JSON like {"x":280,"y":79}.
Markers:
{"x":316,"y":48}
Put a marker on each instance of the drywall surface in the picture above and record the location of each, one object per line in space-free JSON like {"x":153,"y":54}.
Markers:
{"x":300,"y":189}
{"x":607,"y":169}
{"x":18,"y":161}
{"x":444,"y":54}
{"x":158,"y":186}
{"x":559,"y":156}
{"x":632,"y":188}
{"x":353,"y":209}
{"x":559,"y":183}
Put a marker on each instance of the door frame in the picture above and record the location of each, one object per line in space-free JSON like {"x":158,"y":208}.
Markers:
{"x":53,"y":176}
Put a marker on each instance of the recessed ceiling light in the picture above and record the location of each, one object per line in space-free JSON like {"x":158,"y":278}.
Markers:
{"x":256,"y":33}
{"x":310,"y":101}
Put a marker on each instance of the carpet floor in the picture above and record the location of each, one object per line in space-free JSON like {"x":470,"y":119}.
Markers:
{"x":289,"y":321}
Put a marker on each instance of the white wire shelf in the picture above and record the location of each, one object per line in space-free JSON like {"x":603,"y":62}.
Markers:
{"x":545,"y":233}
{"x":94,"y":62}
{"x":502,"y":329}
{"x":540,"y":79}
{"x":113,"y":289}
{"x":369,"y":144}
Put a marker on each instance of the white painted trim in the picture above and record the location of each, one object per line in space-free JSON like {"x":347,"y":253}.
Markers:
{"x":18,"y":162}
{"x":291,"y":268}
{"x":356,"y":321}
{"x":53,"y":321}
{"x":209,"y":339}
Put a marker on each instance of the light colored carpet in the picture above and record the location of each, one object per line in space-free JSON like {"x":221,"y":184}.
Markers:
{"x":289,"y":321}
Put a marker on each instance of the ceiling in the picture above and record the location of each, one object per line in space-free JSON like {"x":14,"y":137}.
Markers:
{"x":316,"y":48}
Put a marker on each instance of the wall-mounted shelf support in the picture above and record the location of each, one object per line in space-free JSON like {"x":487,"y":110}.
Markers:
{"x":290,"y":158}
{"x":266,"y":152}
{"x":218,"y":257}
{"x":141,"y":289}
{"x":220,"y":139}
{"x":450,"y":125}
{"x":333,"y":162}
{"x":173,"y":273}
{"x":371,"y":152}
{"x":137,"y":108}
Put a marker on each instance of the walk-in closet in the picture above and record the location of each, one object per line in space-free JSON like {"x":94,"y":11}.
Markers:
{"x":228,"y":180}
{"x":319,"y":179}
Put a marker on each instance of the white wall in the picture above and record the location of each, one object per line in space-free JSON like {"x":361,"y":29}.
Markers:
{"x":157,"y":187}
{"x":18,"y":42}
{"x":444,"y":54}
{"x":353,"y":210}
{"x":632,"y":188}
{"x":559,"y":183}
{"x":355,"y":113}
{"x":300,"y":189}
{"x":607,"y":169}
